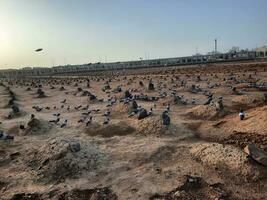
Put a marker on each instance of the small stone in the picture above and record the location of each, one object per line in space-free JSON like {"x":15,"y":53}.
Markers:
{"x":75,"y":146}
{"x":151,"y":86}
{"x":15,"y":109}
{"x":142,"y":114}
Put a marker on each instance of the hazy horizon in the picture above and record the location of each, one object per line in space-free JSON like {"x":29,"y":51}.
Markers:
{"x":77,"y":32}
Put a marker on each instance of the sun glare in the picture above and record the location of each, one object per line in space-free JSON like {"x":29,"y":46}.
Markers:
{"x":4,"y":36}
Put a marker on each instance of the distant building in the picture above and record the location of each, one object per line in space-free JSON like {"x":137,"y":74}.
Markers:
{"x":235,"y":54}
{"x":261,"y":52}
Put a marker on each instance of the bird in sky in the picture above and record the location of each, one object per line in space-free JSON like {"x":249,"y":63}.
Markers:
{"x":40,"y":49}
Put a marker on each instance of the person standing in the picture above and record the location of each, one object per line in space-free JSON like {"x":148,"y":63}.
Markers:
{"x":242,"y":115}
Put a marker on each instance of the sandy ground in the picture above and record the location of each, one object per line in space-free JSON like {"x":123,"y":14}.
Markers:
{"x":198,"y":156}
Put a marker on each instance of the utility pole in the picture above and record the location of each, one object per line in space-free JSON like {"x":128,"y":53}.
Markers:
{"x":215,"y":45}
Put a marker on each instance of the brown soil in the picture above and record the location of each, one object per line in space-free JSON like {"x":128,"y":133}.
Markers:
{"x":198,"y":156}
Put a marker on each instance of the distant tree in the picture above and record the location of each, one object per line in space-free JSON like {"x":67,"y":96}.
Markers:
{"x":234,"y":49}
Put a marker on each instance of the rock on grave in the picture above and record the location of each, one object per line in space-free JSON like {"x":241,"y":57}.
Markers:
{"x":34,"y":123}
{"x":166,"y":120}
{"x":106,"y":87}
{"x":15,"y":109}
{"x":118,"y":89}
{"x":256,"y":154}
{"x":219,"y":105}
{"x":265,"y":97}
{"x":85,"y":93}
{"x":151,"y":86}
{"x":75,"y":146}
{"x":142,"y":114}
{"x":127,"y":94}
{"x":79,"y":89}
{"x":134,"y":105}
{"x":92,"y":97}
{"x":40,"y":93}
{"x":11,"y":102}
{"x":62,"y":88}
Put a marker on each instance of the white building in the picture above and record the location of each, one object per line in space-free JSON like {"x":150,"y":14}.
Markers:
{"x":261,"y":52}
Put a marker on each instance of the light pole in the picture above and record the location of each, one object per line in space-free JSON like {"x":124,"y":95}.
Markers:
{"x":215,"y":45}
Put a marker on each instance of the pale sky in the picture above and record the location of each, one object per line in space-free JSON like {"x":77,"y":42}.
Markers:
{"x":83,"y":31}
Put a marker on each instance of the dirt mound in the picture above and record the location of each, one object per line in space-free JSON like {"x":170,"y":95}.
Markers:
{"x":221,"y":90}
{"x":165,"y":101}
{"x":262,"y":81}
{"x":256,"y":154}
{"x":194,"y":188}
{"x":254,"y":123}
{"x":74,"y":194}
{"x":13,"y":115}
{"x":227,"y":159}
{"x":15,"y":130}
{"x":153,"y":126}
{"x":59,"y":159}
{"x":163,"y":154}
{"x":41,"y":93}
{"x":26,"y":196}
{"x":118,"y":95}
{"x":204,"y":112}
{"x":119,"y":129}
{"x":192,"y":125}
{"x":242,"y":139}
{"x":121,"y":108}
{"x":242,"y":85}
{"x":86,"y":194}
{"x":247,"y":101}
{"x":34,"y":127}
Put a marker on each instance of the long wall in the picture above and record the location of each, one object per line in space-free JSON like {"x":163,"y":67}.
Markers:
{"x":197,"y":59}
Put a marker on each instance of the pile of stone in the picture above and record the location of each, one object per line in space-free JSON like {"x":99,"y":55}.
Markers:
{"x":41,"y":93}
